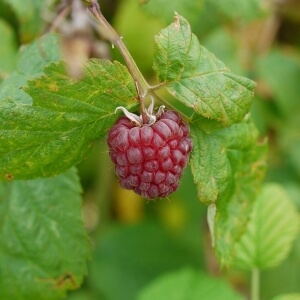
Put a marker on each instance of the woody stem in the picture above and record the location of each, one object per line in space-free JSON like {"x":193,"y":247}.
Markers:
{"x":141,"y":84}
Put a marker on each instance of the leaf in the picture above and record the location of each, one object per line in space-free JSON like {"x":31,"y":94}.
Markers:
{"x":37,"y":55}
{"x":133,"y":255}
{"x":210,"y":166}
{"x":273,"y":226}
{"x":217,"y":157}
{"x":65,"y":119}
{"x":31,"y":61}
{"x":8,"y":49}
{"x":228,"y":166}
{"x":287,"y":297}
{"x":43,"y":243}
{"x":188,"y":284}
{"x":195,"y":77}
{"x":233,"y":213}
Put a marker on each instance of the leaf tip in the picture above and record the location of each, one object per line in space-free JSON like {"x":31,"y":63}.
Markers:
{"x":177,"y":21}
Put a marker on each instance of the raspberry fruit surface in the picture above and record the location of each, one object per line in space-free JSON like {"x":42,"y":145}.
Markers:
{"x":150,"y":159}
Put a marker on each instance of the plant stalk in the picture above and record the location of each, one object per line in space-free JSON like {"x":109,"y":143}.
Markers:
{"x":255,"y":284}
{"x":142,"y":85}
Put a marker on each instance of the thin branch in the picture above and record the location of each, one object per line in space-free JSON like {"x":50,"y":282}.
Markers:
{"x":142,"y":85}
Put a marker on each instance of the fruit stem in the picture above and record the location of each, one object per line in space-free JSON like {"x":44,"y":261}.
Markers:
{"x":141,"y":84}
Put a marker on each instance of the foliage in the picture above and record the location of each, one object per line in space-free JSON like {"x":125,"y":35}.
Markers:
{"x":36,"y":216}
{"x":50,"y":121}
{"x":269,"y":236}
{"x":188,"y":284}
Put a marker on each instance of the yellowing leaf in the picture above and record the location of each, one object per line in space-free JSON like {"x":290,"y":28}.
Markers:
{"x":67,"y":116}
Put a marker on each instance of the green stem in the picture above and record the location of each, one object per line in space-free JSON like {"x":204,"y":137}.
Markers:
{"x":255,"y":284}
{"x":142,"y":85}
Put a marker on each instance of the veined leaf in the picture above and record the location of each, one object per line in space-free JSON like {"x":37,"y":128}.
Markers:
{"x":188,"y":284}
{"x":195,"y":77}
{"x":248,"y":164}
{"x":273,"y":226}
{"x":210,"y":166}
{"x":65,"y":119}
{"x":228,"y":166}
{"x":217,"y":158}
{"x":43,"y":243}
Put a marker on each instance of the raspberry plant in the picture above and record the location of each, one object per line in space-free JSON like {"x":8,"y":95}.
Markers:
{"x":51,"y":114}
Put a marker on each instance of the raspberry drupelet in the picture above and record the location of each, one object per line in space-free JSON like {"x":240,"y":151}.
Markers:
{"x":150,"y":159}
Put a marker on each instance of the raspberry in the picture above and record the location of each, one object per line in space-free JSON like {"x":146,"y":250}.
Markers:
{"x":150,"y":159}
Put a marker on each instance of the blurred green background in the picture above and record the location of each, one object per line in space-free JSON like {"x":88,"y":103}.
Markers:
{"x":135,"y":242}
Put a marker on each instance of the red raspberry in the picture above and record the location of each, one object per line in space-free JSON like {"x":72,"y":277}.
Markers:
{"x":150,"y":159}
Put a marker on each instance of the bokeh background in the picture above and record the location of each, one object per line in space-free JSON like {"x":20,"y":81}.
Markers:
{"x":135,"y":242}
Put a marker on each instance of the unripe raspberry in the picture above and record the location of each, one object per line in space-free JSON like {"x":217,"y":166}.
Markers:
{"x":150,"y":159}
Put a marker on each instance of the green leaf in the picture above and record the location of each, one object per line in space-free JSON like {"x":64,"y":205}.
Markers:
{"x":232,"y":216}
{"x":228,"y":166}
{"x":195,"y":77}
{"x":273,"y":226}
{"x":8,"y":49}
{"x":133,"y":255}
{"x":44,"y":246}
{"x":188,"y":284}
{"x":29,"y":13}
{"x":217,"y":158}
{"x":210,"y":166}
{"x":66,"y":117}
{"x":40,"y":53}
{"x":287,"y":297}
{"x":31,"y":61}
